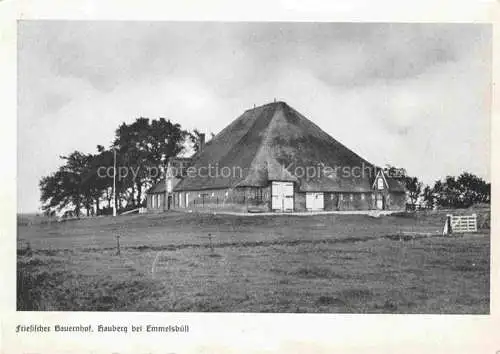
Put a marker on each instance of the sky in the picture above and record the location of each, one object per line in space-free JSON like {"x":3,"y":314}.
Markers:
{"x":415,"y":96}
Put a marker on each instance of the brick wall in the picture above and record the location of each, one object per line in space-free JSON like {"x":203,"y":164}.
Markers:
{"x":299,"y":199}
{"x":237,"y":199}
{"x":259,"y":199}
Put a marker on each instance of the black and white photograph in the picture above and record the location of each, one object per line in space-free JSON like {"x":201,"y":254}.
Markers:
{"x":253,"y":167}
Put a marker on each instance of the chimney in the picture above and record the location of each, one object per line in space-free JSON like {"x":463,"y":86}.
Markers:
{"x":202,"y":142}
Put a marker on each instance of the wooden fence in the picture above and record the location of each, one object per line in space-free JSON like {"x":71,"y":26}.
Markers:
{"x":460,"y":223}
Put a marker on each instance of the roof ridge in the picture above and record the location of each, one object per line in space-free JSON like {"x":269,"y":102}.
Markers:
{"x":277,"y":103}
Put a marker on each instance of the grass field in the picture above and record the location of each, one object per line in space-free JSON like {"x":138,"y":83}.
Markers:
{"x":327,"y":263}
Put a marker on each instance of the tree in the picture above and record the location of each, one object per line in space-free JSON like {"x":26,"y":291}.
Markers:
{"x":55,"y":192}
{"x":195,"y":137}
{"x":77,"y":183}
{"x":101,"y":180}
{"x":142,"y":147}
{"x":84,"y":180}
{"x":68,"y":186}
{"x":414,"y":188}
{"x":428,"y":197}
{"x":79,"y":168}
{"x":461,"y":192}
{"x":473,"y":189}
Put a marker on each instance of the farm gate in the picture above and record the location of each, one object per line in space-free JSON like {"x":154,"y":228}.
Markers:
{"x":460,"y":223}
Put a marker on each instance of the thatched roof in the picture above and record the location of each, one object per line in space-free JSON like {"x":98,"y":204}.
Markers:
{"x":395,"y":185}
{"x":161,"y":187}
{"x":275,"y":142}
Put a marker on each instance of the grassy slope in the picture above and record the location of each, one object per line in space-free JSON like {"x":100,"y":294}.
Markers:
{"x":180,"y":228}
{"x":314,"y":264}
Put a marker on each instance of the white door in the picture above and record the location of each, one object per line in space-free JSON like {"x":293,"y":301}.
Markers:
{"x":282,"y":196}
{"x":288,"y":196}
{"x":315,"y":201}
{"x":380,"y":201}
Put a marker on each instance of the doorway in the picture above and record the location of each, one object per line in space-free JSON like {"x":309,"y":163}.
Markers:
{"x":380,"y":200}
{"x":282,"y":196}
{"x":315,"y":201}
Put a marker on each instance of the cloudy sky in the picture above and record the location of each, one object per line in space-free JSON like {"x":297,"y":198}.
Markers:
{"x":411,"y":95}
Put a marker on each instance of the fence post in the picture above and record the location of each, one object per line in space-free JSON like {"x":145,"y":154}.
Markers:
{"x":210,"y":242}
{"x":118,"y":245}
{"x":447,"y":227}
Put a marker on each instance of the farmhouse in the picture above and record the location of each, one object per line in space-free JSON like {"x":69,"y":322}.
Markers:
{"x":272,"y":158}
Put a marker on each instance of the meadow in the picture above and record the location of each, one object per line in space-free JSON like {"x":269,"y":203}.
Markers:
{"x":223,"y":263}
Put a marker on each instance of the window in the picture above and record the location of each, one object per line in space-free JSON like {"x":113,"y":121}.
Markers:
{"x":380,"y":183}
{"x":341,"y":196}
{"x":362,"y":196}
{"x":351,"y":197}
{"x":258,"y":194}
{"x":315,"y":201}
